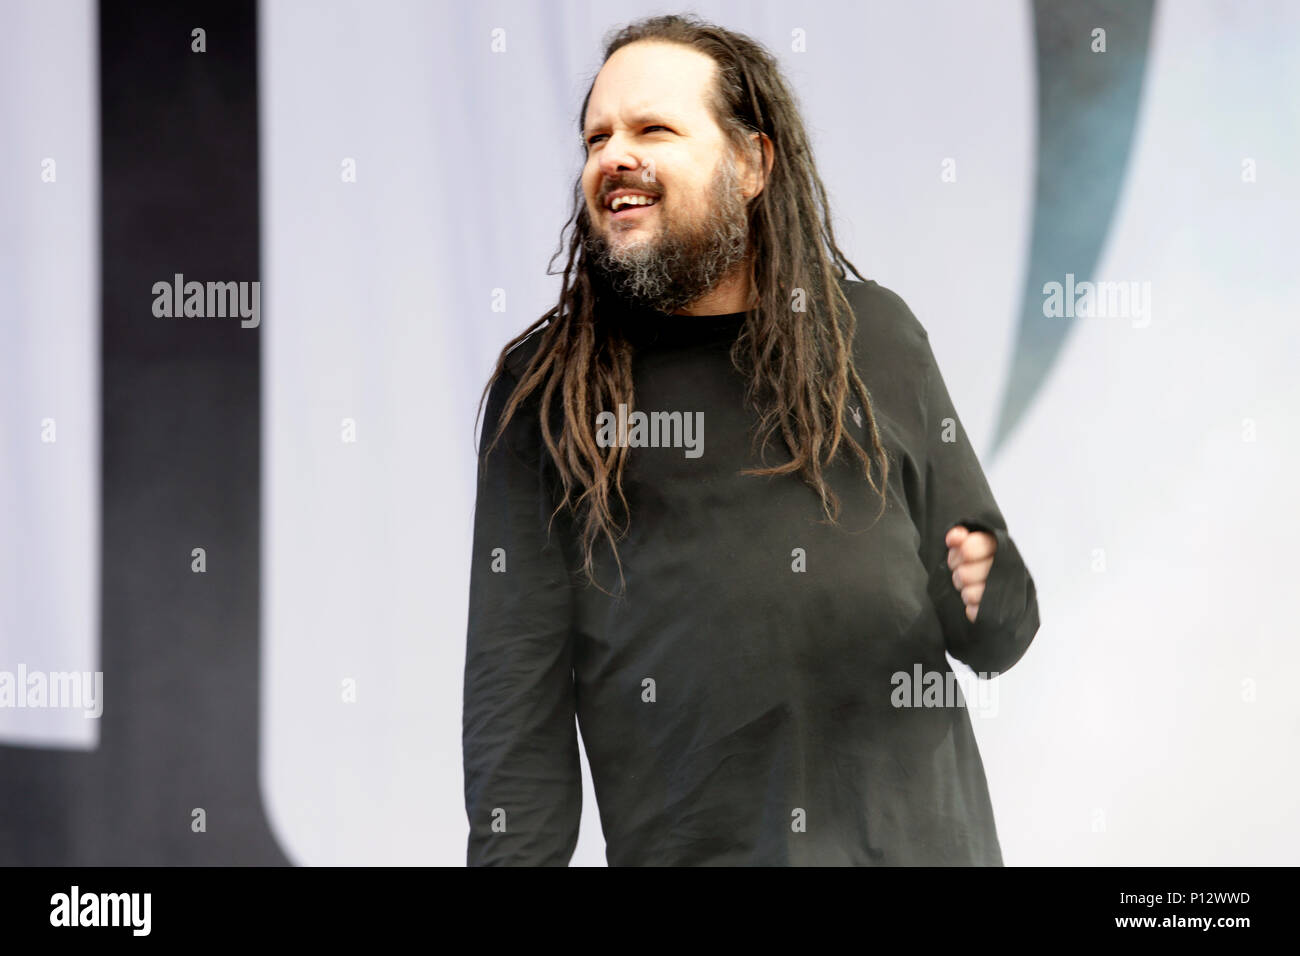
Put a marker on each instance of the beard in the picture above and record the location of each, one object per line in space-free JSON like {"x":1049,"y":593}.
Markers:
{"x":683,"y":260}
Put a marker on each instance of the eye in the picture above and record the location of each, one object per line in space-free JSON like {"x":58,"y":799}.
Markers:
{"x":591,"y":140}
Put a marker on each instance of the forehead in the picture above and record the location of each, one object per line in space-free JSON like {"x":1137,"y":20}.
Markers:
{"x":645,"y":79}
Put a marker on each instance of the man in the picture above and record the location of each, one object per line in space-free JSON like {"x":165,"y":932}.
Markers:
{"x":739,"y":690}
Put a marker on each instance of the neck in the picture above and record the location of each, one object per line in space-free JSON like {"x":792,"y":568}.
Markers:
{"x":732,"y":293}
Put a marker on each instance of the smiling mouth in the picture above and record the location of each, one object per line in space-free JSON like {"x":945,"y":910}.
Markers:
{"x":631,"y":212}
{"x":629,"y":204}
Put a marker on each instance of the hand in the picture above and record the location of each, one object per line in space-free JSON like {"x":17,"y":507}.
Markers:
{"x":970,"y":555}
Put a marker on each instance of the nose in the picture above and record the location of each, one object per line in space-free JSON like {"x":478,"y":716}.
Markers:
{"x":615,"y":156}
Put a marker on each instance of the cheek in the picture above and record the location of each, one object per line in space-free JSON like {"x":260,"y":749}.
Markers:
{"x":588,"y":184}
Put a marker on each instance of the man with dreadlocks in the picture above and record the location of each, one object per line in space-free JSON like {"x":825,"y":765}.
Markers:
{"x":754,"y":651}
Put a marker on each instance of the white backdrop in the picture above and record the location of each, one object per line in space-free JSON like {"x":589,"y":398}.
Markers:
{"x":49,"y":358}
{"x":1148,"y":488}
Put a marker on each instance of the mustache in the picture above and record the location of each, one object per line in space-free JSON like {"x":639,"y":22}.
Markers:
{"x":639,"y":187}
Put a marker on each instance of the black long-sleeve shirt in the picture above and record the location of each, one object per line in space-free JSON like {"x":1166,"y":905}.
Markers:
{"x":740,"y":701}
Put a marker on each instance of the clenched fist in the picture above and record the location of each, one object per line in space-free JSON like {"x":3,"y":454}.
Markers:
{"x":970,"y":555}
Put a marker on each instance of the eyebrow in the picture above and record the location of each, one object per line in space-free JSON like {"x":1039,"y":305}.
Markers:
{"x":641,"y":119}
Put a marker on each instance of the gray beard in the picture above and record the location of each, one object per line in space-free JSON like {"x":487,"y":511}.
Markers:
{"x":678,"y":265}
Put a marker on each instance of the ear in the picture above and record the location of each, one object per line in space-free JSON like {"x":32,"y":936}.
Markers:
{"x":754,"y":182}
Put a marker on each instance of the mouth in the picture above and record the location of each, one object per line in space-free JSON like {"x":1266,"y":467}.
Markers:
{"x":630,"y":206}
{"x":632,"y":212}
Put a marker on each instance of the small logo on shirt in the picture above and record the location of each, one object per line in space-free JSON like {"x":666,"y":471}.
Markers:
{"x":651,"y":430}
{"x":856,"y":413}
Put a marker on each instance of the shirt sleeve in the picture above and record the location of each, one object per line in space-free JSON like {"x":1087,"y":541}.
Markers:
{"x":955,"y":491}
{"x":523,"y":783}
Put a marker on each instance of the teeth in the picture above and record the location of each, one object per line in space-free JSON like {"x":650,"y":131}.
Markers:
{"x":622,"y":201}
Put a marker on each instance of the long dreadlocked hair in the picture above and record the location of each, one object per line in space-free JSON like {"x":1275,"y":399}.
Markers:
{"x":799,"y":363}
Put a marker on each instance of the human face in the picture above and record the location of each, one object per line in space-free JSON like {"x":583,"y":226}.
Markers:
{"x":649,"y":131}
